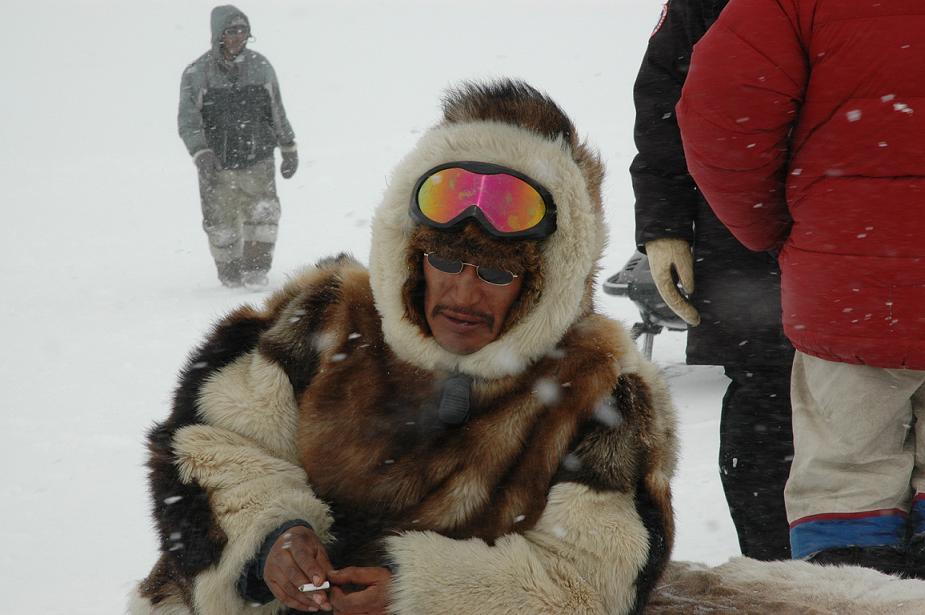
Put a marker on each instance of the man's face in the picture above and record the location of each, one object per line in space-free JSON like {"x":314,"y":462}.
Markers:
{"x":234,"y":38}
{"x":464,"y":312}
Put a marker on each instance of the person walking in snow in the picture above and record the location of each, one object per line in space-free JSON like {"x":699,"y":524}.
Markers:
{"x":734,"y":311}
{"x":454,"y":429}
{"x":800,"y":125}
{"x":231,"y":118}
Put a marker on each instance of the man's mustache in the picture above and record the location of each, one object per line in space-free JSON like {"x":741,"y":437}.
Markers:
{"x":485,"y":317}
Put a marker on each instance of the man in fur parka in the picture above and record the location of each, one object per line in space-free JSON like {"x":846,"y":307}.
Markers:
{"x":453,"y":430}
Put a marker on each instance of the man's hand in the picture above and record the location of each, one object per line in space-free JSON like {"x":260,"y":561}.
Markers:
{"x":371,"y":599}
{"x":290,"y":163}
{"x":208,"y":164}
{"x":296,"y":558}
{"x":666,"y":255}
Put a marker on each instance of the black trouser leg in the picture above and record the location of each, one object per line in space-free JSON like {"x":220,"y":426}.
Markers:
{"x":755,"y":452}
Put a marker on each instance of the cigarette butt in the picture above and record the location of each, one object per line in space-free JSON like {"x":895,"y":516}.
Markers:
{"x":309,"y":587}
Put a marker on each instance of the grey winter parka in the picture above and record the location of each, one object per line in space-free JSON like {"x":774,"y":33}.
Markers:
{"x":232,"y":107}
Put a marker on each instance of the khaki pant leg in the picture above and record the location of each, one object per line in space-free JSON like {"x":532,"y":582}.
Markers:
{"x":261,"y":216}
{"x":262,"y":210}
{"x":853,"y":455}
{"x":918,"y":474}
{"x":221,"y":216}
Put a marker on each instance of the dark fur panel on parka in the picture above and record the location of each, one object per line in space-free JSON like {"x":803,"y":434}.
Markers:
{"x":190,"y":538}
{"x":292,"y":342}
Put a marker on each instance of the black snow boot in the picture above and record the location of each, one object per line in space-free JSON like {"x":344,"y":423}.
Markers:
{"x":917,"y":558}
{"x":890,"y":559}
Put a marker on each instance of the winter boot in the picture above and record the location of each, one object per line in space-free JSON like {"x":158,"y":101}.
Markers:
{"x":917,"y":557}
{"x":258,"y":257}
{"x":890,"y":559}
{"x":229,"y":274}
{"x":255,"y":280}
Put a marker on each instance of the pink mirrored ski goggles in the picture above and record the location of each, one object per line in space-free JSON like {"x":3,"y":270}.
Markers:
{"x":506,"y":203}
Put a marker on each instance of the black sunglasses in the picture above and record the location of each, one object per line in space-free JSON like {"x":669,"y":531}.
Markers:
{"x":489,"y":275}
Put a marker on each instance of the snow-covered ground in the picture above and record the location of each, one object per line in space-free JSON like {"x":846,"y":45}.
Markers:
{"x":105,"y":273}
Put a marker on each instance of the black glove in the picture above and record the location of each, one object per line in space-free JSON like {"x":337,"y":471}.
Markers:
{"x":209,"y":165}
{"x":290,"y":163}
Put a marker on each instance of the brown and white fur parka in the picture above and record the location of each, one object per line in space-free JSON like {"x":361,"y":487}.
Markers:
{"x":552,"y":498}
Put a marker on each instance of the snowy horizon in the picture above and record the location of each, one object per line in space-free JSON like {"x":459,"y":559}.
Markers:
{"x":108,"y":282}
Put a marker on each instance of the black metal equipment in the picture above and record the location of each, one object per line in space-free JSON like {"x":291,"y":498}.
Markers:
{"x":635,"y":282}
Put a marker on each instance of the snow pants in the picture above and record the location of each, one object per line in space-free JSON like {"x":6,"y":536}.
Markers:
{"x":240,"y":215}
{"x":755,"y":451}
{"x":858,"y":476}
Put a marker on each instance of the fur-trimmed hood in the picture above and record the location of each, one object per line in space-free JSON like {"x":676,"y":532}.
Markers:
{"x":510,"y":124}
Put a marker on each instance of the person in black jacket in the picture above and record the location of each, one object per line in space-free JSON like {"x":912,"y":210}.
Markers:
{"x":735,"y":309}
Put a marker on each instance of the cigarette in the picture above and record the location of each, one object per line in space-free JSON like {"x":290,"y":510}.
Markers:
{"x":308,"y":587}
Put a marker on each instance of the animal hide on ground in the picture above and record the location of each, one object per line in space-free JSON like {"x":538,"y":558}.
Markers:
{"x":744,"y":586}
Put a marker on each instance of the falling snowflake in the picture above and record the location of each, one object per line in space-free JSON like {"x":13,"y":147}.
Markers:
{"x":547,"y":391}
{"x":606,"y":414}
{"x":571,"y":462}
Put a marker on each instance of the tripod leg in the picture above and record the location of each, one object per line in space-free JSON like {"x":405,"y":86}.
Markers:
{"x":648,"y":340}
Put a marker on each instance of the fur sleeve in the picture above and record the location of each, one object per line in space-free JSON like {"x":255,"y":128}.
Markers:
{"x":600,"y":544}
{"x":241,"y":455}
{"x":224,"y":467}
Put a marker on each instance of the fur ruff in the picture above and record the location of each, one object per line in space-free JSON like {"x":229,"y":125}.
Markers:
{"x":570,"y":254}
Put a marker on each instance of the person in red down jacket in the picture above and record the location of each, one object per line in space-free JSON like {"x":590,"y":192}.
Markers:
{"x":803,"y":124}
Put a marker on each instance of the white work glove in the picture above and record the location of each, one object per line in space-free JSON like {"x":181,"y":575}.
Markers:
{"x":670,"y":254}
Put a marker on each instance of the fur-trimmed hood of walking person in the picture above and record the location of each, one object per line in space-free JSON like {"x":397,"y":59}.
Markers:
{"x":457,"y":417}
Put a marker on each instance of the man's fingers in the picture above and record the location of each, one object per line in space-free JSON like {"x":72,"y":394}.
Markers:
{"x":297,"y":579}
{"x":321,"y":556}
{"x":311,"y":560}
{"x":288,"y":577}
